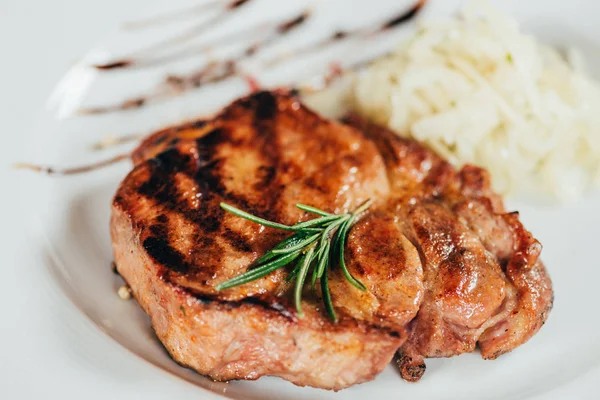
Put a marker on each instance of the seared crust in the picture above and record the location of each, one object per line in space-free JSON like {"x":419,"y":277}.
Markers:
{"x":445,"y":266}
{"x":263,"y":154}
{"x":484,"y":282}
{"x":249,"y":339}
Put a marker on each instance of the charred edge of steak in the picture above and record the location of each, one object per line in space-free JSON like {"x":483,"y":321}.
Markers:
{"x":167,"y":158}
{"x":163,"y":140}
{"x":411,"y":370}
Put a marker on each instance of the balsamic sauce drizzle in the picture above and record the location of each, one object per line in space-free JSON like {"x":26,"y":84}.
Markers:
{"x":189,"y":51}
{"x":184,"y":37}
{"x":358,"y":33}
{"x":74,"y":170}
{"x":220,"y":70}
{"x":332,"y":75}
{"x":111,"y":141}
{"x":173,"y":16}
{"x":217,"y":71}
{"x":213,"y":72}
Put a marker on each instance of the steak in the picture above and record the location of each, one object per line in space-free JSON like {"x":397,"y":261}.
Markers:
{"x":445,"y":266}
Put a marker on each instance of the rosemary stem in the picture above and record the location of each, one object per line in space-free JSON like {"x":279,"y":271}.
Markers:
{"x":315,"y":243}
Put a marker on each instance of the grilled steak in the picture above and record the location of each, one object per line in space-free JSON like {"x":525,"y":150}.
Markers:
{"x":484,"y":282}
{"x":445,"y":266}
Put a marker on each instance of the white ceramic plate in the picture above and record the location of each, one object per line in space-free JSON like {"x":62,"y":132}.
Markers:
{"x":75,"y":212}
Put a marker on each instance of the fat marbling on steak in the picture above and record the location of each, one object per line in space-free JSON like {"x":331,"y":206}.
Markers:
{"x":446,"y":268}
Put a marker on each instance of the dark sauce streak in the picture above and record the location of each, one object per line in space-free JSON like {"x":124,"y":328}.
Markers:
{"x":405,"y":16}
{"x":146,"y":60}
{"x":129,"y":104}
{"x":115,"y":65}
{"x":236,"y":4}
{"x":75,"y":170}
{"x":335,"y":72}
{"x":354,"y":33}
{"x":169,"y":43}
{"x":221,"y":70}
{"x":172,"y":16}
{"x":156,"y":58}
{"x":339,"y":35}
{"x":293,"y":23}
{"x":212,"y":73}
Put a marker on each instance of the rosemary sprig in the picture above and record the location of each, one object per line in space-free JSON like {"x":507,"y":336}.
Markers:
{"x":315,"y":243}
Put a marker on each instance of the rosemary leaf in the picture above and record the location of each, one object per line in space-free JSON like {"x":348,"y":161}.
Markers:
{"x":258,"y":220}
{"x":313,"y":210}
{"x":259,"y":272}
{"x":304,"y":263}
{"x":286,"y":243}
{"x":327,"y":298}
{"x":296,"y":269}
{"x":313,"y":280}
{"x":317,"y":221}
{"x":298,"y":246}
{"x":315,"y":243}
{"x":363,"y":207}
{"x":324,"y":260}
{"x":310,"y":230}
{"x":293,"y":273}
{"x":318,"y":256}
{"x":341,"y":244}
{"x":326,"y":237}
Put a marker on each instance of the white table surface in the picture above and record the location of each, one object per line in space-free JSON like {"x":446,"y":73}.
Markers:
{"x":48,"y":349}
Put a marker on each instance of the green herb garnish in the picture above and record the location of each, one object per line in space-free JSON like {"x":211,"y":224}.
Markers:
{"x":314,"y":245}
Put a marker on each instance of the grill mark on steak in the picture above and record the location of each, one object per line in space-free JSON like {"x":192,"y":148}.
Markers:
{"x":263,"y":154}
{"x":238,"y":241}
{"x":206,"y":172}
{"x":160,"y":249}
{"x":260,"y":113}
{"x":266,"y":176}
{"x":161,"y":188}
{"x":265,"y":106}
{"x":159,"y":231}
{"x":211,"y":139}
{"x":157,"y":186}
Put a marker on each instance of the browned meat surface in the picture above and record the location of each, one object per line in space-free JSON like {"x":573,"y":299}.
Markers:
{"x":249,"y":338}
{"x":484,"y":283}
{"x":445,"y":267}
